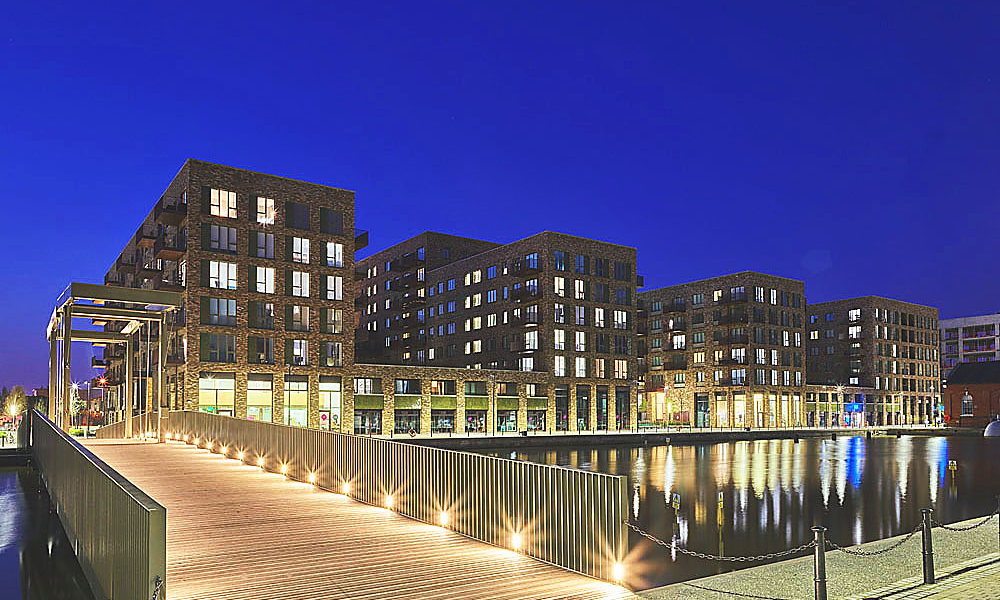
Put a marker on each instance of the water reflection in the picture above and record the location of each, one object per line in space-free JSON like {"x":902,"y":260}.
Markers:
{"x":773,"y":491}
{"x":36,"y":560}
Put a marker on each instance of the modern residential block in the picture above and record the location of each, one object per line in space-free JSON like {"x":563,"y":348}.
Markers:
{"x":887,"y":345}
{"x":549,"y":303}
{"x":968,"y":339}
{"x":725,"y":352}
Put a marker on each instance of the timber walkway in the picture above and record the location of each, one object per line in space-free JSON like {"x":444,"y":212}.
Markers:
{"x":236,"y":532}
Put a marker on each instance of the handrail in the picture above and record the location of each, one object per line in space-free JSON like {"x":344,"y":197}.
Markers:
{"x":117,"y":531}
{"x":566,"y":517}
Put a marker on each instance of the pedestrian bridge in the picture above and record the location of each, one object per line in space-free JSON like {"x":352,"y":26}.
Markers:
{"x":236,"y":530}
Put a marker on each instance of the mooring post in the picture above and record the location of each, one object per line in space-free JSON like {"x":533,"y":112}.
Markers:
{"x":928,"y":550}
{"x":819,"y":563}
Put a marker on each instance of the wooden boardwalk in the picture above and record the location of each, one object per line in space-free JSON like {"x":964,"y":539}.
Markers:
{"x":237,"y":533}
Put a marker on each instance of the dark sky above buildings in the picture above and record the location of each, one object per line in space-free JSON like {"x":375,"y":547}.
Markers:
{"x":852,"y":145}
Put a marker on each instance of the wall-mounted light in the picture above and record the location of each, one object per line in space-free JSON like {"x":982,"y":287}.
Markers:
{"x":618,"y":572}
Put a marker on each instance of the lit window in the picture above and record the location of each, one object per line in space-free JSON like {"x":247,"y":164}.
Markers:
{"x":265,"y":210}
{"x":222,"y":275}
{"x":300,"y":284}
{"x":223,"y":204}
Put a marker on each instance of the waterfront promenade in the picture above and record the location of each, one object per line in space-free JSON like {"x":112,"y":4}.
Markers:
{"x":965,"y":562}
{"x":238,"y":533}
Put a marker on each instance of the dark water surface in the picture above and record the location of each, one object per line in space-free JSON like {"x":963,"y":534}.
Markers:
{"x":774,"y":491}
{"x":36,"y":560}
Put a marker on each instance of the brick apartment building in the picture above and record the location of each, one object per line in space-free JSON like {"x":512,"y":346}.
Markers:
{"x":725,"y":352}
{"x":266,"y":266}
{"x":550,"y":303}
{"x":886,"y":345}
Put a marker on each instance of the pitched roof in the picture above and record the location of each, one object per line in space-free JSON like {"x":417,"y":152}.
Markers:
{"x":975,"y":372}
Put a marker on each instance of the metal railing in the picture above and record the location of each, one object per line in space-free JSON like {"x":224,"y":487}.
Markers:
{"x":143,"y":425}
{"x":119,"y":534}
{"x":570,"y":518}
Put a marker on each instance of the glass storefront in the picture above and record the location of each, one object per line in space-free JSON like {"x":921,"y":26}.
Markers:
{"x":562,"y":407}
{"x":623,"y":412}
{"x":602,"y":407}
{"x":406,"y":421}
{"x":296,"y":400}
{"x":329,"y":402}
{"x":583,"y":407}
{"x":475,"y":421}
{"x":442,"y":421}
{"x":217,"y":393}
{"x":721,"y":410}
{"x":506,"y":420}
{"x":758,"y":410}
{"x":739,"y":410}
{"x":536,"y":420}
{"x":772,"y":410}
{"x":367,"y":422}
{"x":701,"y":410}
{"x":260,"y":397}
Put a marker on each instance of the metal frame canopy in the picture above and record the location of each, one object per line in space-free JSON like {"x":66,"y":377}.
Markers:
{"x":86,"y":300}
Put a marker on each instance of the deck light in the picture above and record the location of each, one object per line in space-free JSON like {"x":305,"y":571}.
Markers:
{"x":223,"y":449}
{"x":239,"y":455}
{"x":209,"y":445}
{"x":388,"y":502}
{"x":284,"y":469}
{"x":186,"y":437}
{"x":260,"y":462}
{"x":618,"y":571}
{"x":347,"y":487}
{"x":444,"y":519}
{"x":515,"y":541}
{"x":311,"y":477}
{"x":196,"y":440}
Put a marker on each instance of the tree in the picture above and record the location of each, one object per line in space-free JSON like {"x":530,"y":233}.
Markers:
{"x":15,"y":397}
{"x":76,"y":403}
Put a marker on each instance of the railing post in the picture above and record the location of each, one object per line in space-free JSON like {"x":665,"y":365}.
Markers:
{"x":998,"y":518}
{"x":819,"y":563}
{"x":928,"y":550}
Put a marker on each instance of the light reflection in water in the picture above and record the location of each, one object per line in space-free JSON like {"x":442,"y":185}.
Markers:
{"x":775,"y":490}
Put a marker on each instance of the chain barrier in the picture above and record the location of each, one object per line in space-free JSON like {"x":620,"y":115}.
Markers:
{"x":673,"y":546}
{"x":888,"y":548}
{"x":157,"y":584}
{"x":969,"y":528}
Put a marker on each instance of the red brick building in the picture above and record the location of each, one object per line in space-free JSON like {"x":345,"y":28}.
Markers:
{"x":972,"y":394}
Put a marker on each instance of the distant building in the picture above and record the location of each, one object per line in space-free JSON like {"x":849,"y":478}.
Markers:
{"x":972,"y":394}
{"x":887,"y":345}
{"x":837,"y":406}
{"x":725,"y":352}
{"x":968,"y":339}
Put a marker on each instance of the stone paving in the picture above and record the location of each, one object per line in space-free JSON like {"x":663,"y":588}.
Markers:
{"x":859,"y":577}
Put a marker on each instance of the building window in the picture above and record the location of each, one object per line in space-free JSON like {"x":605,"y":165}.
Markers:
{"x":581,"y":341}
{"x":262,"y":244}
{"x":559,"y":313}
{"x":260,"y":350}
{"x":334,"y":254}
{"x":296,"y":401}
{"x":300,"y":284}
{"x":221,"y":311}
{"x":968,"y":407}
{"x":223,"y":204}
{"x":598,"y":317}
{"x":531,"y":340}
{"x":222,"y":238}
{"x":333,"y":320}
{"x":620,"y":319}
{"x":332,"y":355}
{"x":264,"y":283}
{"x":334,"y":287}
{"x":621,"y":369}
{"x":265,"y":210}
{"x":222,"y":275}
{"x":262,"y":315}
{"x":218,"y":348}
{"x":559,"y":286}
{"x":300,"y":250}
{"x":560,"y":260}
{"x":559,"y":367}
{"x":297,"y":318}
{"x":581,"y":366}
{"x":296,"y":215}
{"x":259,"y":397}
{"x":297,"y":352}
{"x":559,"y":336}
{"x":217,"y":393}
{"x":329,"y":402}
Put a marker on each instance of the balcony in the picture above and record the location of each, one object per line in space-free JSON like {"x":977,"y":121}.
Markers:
{"x":360,"y":239}
{"x":170,"y":212}
{"x":523,"y":294}
{"x":641,"y":329}
{"x":677,"y":327}
{"x":402,"y":284}
{"x":734,"y":298}
{"x":360,"y":302}
{"x":855,"y":351}
{"x":360,"y":273}
{"x":124,"y":264}
{"x":675,"y":366}
{"x":168,"y":284}
{"x":732,"y":361}
{"x":733,"y":318}
{"x":415,"y":341}
{"x":145,"y":237}
{"x":174,"y":360}
{"x":528,"y":320}
{"x":170,"y":248}
{"x":735,"y":339}
{"x":728,"y":381}
{"x":524,"y":268}
{"x":148,"y":270}
{"x":674,"y":308}
{"x":640,"y":281}
{"x":405,"y":263}
{"x":98,"y":363}
{"x":412,"y":300}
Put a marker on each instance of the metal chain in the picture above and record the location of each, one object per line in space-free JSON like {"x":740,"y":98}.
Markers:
{"x":969,"y":528}
{"x":888,"y":548}
{"x":673,"y":546}
{"x":157,"y":584}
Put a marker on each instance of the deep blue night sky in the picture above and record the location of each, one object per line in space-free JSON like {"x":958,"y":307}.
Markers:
{"x":853,"y":146}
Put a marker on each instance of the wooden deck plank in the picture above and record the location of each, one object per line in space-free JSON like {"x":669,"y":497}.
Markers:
{"x":237,"y":533}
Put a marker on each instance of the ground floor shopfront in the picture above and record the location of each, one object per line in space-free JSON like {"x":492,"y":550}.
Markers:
{"x":732,"y":407}
{"x":851,"y":406}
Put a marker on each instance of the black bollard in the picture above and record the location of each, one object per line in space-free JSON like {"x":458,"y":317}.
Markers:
{"x":819,"y":563}
{"x":928,"y":550}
